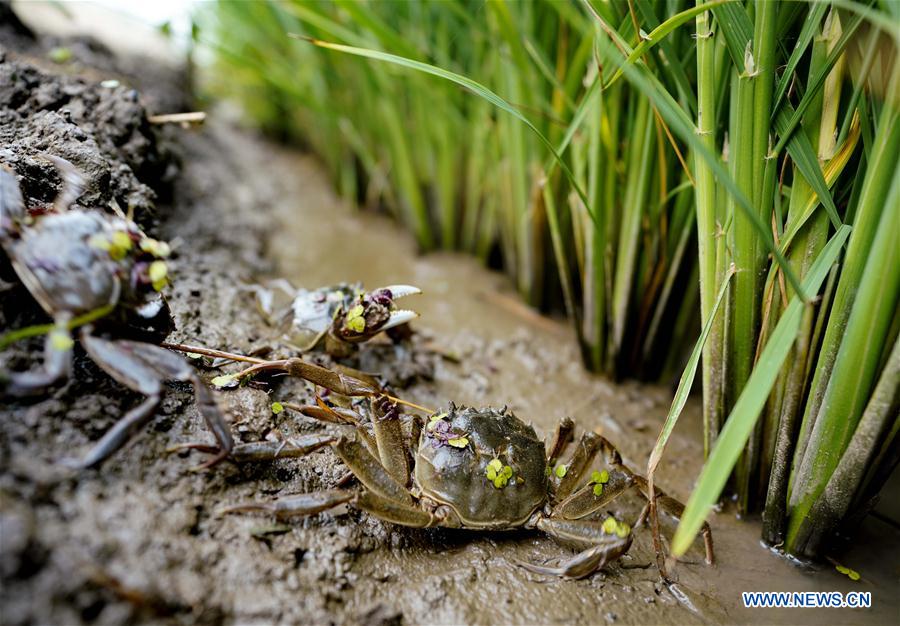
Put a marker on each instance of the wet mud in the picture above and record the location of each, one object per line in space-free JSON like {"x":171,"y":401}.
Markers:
{"x":142,"y":540}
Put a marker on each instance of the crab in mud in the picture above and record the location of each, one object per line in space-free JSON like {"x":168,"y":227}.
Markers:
{"x":338,"y":317}
{"x":102,"y":273}
{"x":478,"y":469}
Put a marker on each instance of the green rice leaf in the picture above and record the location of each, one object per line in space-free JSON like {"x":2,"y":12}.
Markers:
{"x":682,"y":126}
{"x":804,"y":156}
{"x":737,"y":28}
{"x":810,"y":27}
{"x":749,"y":405}
{"x":878,"y":19}
{"x":463,"y":81}
{"x":686,"y":382}
{"x":659,"y":33}
{"x":738,"y":31}
{"x":786,"y":127}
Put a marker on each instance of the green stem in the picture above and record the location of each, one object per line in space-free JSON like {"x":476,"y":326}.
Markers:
{"x":705,"y":194}
{"x":878,"y":185}
{"x":832,"y":505}
{"x":875,"y":270}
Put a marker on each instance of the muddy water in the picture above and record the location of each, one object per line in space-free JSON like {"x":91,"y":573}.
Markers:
{"x":510,"y":356}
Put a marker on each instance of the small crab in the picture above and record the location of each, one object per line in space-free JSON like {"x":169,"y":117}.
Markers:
{"x":92,"y":268}
{"x":478,"y":469}
{"x":337,"y":317}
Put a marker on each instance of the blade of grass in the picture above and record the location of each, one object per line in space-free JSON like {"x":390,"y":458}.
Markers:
{"x":640,"y":155}
{"x":658,"y":34}
{"x":686,"y":381}
{"x":463,"y":81}
{"x":810,"y":28}
{"x":789,"y":124}
{"x":751,"y":160}
{"x":678,"y":402}
{"x":682,"y":126}
{"x":707,"y":230}
{"x":672,"y":58}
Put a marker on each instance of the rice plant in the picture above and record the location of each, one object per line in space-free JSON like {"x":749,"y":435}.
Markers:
{"x":644,"y":162}
{"x":604,"y":232}
{"x":813,"y":148}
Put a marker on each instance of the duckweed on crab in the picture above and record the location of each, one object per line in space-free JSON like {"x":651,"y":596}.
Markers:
{"x":479,"y":469}
{"x":87,"y":265}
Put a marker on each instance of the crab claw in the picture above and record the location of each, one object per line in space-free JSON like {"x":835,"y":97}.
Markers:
{"x":398,"y":317}
{"x":400,"y":291}
{"x":367,"y":314}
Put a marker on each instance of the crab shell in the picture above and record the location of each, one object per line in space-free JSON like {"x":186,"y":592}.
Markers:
{"x":60,"y":268}
{"x":457,"y":477}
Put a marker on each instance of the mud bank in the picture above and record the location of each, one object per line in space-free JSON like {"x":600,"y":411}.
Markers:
{"x":141,"y":540}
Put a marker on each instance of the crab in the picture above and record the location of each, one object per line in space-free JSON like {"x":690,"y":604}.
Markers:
{"x":100,"y":272}
{"x":338,"y":317}
{"x":468,"y":468}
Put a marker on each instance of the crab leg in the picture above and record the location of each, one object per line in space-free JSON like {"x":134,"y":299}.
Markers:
{"x":416,"y":424}
{"x":384,"y":497}
{"x":372,"y":313}
{"x":579,"y":534}
{"x":318,"y":375}
{"x":676,"y":509}
{"x":296,"y":446}
{"x":370,"y":472}
{"x":338,"y":415}
{"x":585,"y":562}
{"x":390,"y":441}
{"x":212,"y":415}
{"x":57,"y":362}
{"x":562,"y":437}
{"x":393,"y":511}
{"x":584,"y":501}
{"x":143,"y":367}
{"x":330,"y":414}
{"x":266,"y":450}
{"x":602,"y":547}
{"x":296,"y":506}
{"x":400,"y":316}
{"x":400,"y":291}
{"x":120,"y":433}
{"x":584,"y":455}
